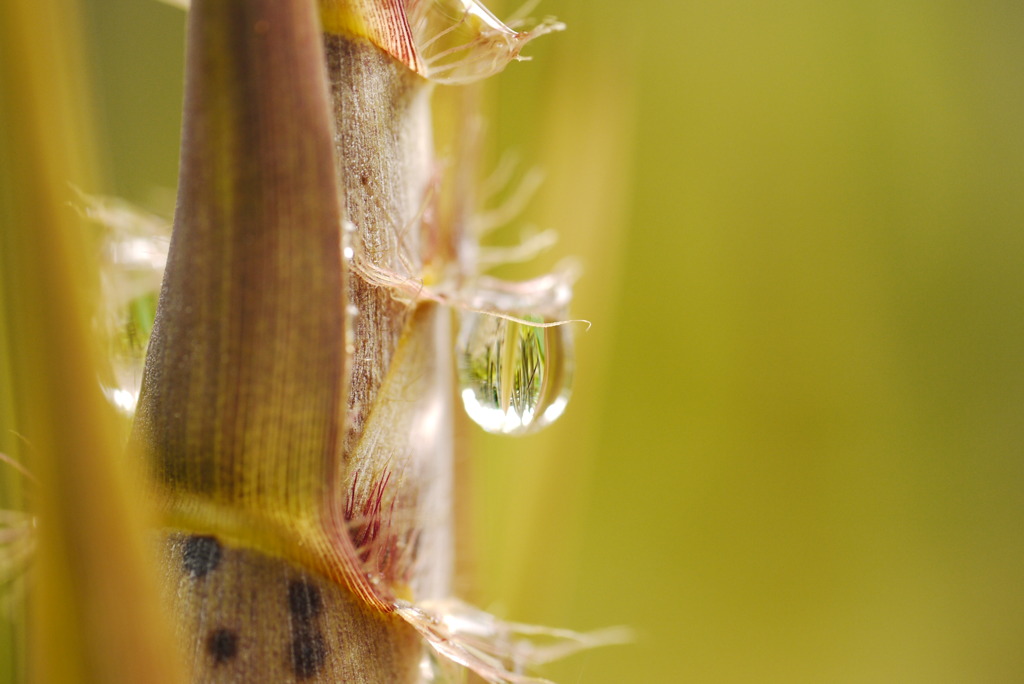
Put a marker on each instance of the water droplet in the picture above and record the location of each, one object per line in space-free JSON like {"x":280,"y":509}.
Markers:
{"x":515,"y":377}
{"x":129,"y":326}
{"x":133,"y":253}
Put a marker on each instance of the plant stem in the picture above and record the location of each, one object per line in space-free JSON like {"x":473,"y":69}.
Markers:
{"x":304,"y":489}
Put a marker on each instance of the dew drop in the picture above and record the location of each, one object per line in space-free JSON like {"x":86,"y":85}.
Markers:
{"x":515,"y":378}
{"x":133,"y":253}
{"x":130,"y":326}
{"x":131,"y":290}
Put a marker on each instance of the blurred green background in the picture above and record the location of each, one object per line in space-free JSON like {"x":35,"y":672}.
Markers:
{"x":796,"y":447}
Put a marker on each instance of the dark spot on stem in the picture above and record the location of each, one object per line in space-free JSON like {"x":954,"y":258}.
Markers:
{"x":201,"y":555}
{"x":304,"y":600}
{"x":308,"y":654}
{"x":222,"y":645}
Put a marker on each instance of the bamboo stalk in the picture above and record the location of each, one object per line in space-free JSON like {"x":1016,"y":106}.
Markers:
{"x":289,"y":535}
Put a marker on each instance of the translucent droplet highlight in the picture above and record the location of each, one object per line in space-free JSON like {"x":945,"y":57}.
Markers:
{"x":514,"y":377}
{"x":131,"y":325}
{"x":133,"y":254}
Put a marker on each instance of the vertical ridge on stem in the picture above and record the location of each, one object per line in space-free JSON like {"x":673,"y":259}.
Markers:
{"x":244,"y":383}
{"x":243,"y":403}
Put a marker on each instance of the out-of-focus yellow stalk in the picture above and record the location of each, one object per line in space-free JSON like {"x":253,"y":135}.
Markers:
{"x":94,"y":607}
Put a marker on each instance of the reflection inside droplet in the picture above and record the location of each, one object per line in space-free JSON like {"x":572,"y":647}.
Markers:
{"x":129,"y":328}
{"x":515,"y":377}
{"x":133,"y":252}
